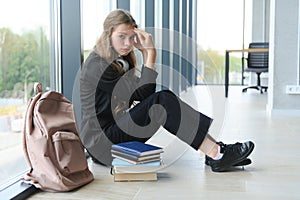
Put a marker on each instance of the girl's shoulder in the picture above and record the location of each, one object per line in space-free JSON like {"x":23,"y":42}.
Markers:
{"x":93,"y":60}
{"x":94,"y":56}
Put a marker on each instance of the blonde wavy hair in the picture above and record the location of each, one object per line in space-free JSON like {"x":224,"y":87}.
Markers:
{"x":103,"y":45}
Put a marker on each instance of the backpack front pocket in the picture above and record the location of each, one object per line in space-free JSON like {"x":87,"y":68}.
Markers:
{"x":69,"y":152}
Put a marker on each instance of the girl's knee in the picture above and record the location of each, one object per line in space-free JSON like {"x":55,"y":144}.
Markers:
{"x":167,"y":97}
{"x":166,"y":93}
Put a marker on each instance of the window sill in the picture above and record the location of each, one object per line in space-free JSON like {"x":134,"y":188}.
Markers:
{"x":17,"y":190}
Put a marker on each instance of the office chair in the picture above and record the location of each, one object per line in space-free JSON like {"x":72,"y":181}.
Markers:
{"x":257,"y":62}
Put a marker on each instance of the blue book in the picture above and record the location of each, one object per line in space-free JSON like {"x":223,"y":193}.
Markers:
{"x":137,"y":148}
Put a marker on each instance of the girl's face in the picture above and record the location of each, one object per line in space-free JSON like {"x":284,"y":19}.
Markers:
{"x":123,"y":39}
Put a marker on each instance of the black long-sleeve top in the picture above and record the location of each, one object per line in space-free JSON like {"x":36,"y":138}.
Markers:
{"x":103,"y":88}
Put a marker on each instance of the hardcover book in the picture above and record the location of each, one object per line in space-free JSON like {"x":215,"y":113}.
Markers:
{"x":137,"y":148}
{"x":136,"y":160}
{"x":147,"y":176}
{"x":125,"y":166}
{"x":125,"y":171}
{"x":133,"y":157}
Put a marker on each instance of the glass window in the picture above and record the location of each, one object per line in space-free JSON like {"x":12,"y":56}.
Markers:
{"x":221,"y":25}
{"x":157,"y":29}
{"x":24,"y":59}
{"x":137,"y":10}
{"x":93,"y":14}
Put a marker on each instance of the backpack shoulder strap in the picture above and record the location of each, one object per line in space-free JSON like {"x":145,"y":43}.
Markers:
{"x":28,"y":120}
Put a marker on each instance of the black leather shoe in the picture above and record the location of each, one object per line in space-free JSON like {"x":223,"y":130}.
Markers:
{"x":233,"y":154}
{"x":244,"y":162}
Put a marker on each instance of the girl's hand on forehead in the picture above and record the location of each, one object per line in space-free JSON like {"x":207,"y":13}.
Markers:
{"x":145,"y":44}
{"x":143,"y":40}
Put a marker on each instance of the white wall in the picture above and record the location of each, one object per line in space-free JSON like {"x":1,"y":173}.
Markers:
{"x":283,"y":63}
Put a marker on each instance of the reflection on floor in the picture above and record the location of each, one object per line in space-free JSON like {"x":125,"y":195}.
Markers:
{"x":274,"y":173}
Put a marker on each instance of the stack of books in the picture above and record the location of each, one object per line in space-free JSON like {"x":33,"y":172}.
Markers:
{"x":135,"y":161}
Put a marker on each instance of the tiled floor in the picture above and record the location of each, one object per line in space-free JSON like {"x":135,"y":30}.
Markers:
{"x":274,"y":173}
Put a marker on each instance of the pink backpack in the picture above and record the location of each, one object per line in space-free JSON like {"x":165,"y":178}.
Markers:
{"x":52,"y":146}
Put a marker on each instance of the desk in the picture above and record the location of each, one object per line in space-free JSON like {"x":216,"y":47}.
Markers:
{"x":255,"y":50}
